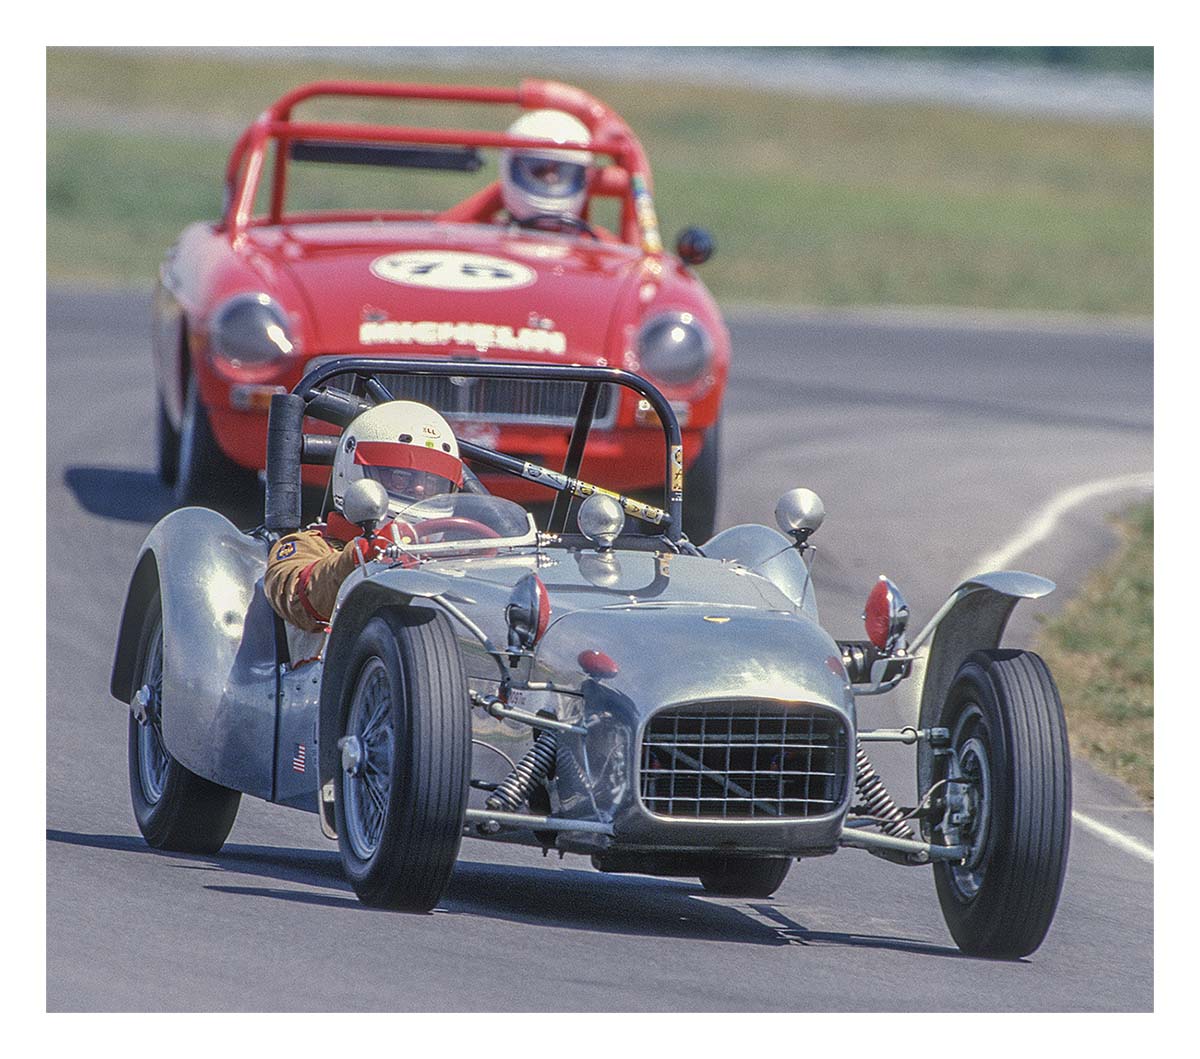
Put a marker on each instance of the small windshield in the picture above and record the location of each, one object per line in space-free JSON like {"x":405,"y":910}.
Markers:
{"x":470,"y":518}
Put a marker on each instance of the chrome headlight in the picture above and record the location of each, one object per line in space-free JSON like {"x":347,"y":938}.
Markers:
{"x":249,"y":331}
{"x":674,"y":347}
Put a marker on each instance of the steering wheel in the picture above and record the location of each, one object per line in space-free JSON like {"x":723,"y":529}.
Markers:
{"x":463,"y":528}
{"x":543,"y":222}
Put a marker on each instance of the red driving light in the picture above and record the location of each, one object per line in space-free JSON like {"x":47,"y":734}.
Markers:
{"x":877,"y":615}
{"x":597,"y":664}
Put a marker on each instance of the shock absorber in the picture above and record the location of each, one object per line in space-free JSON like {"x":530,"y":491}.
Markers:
{"x":531,"y":770}
{"x":876,"y":801}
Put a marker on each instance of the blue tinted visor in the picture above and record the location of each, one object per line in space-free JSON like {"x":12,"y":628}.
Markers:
{"x":547,"y":177}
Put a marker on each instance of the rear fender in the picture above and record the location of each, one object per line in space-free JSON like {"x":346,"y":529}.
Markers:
{"x":219,"y":657}
{"x":972,"y":619}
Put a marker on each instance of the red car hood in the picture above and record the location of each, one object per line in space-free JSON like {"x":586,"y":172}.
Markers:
{"x":413,"y":288}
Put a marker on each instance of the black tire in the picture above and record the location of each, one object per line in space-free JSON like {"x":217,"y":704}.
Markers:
{"x":175,"y":809}
{"x":407,"y":670}
{"x":1009,"y":737}
{"x":206,"y":476}
{"x":745,"y":876}
{"x":168,"y":448}
{"x":700,"y":489}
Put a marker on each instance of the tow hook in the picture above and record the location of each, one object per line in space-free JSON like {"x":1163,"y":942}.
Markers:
{"x":144,"y":706}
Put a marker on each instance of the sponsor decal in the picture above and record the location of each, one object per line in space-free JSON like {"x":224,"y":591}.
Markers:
{"x":478,"y":336}
{"x":452,"y":270}
{"x":299,"y":758}
{"x":676,"y":471}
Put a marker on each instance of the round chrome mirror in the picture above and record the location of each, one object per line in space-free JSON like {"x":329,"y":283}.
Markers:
{"x":799,"y":513}
{"x":601,"y":520}
{"x":365,"y":503}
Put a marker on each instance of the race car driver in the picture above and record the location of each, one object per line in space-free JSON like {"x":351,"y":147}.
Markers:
{"x":540,"y":185}
{"x":412,"y":452}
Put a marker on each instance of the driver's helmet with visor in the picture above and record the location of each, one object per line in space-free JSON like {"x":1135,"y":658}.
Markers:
{"x":542,"y":181}
{"x":405,"y":446}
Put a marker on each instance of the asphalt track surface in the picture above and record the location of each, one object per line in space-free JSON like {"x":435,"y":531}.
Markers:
{"x":932,"y":444}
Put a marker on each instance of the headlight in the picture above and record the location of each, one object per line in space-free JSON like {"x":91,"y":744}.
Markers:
{"x":674,"y":347}
{"x":250,"y":331}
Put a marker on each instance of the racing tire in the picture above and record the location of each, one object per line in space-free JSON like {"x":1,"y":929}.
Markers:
{"x":1009,"y":742}
{"x":700,"y":489}
{"x":745,"y":876}
{"x":174,"y":808}
{"x":168,"y":448}
{"x":400,"y":791}
{"x":205,"y":476}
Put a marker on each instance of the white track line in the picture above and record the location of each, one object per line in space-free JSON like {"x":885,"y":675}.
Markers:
{"x":1037,"y":530}
{"x":1114,"y":837}
{"x":1045,"y":521}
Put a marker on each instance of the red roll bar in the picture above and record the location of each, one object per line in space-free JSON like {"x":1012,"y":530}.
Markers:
{"x":610,"y":137}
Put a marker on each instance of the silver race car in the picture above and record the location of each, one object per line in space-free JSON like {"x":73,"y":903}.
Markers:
{"x":603,"y":686}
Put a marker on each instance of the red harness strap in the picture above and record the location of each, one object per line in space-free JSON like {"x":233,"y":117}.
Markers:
{"x":302,"y":595}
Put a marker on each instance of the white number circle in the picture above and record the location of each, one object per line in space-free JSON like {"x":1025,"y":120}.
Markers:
{"x":452,"y":270}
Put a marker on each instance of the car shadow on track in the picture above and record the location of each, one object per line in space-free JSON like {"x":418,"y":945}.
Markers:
{"x":131,"y":495}
{"x":531,"y":896}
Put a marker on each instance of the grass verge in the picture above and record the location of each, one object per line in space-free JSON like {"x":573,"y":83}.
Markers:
{"x":1101,"y":652}
{"x":812,"y":201}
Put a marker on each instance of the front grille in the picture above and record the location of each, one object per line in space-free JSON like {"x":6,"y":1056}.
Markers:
{"x":744,"y":759}
{"x":464,"y":400}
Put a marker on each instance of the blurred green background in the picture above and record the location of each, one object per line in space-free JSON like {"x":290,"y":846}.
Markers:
{"x":813,"y":201}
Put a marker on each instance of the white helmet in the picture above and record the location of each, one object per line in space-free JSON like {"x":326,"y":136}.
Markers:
{"x":541,"y":180}
{"x":405,"y":446}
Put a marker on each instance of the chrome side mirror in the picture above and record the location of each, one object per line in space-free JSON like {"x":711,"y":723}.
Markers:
{"x":799,"y":514}
{"x":365,"y":503}
{"x":601,"y":520}
{"x":886,"y":616}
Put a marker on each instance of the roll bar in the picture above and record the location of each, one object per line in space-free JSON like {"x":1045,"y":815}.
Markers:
{"x":287,"y":446}
{"x":610,"y":137}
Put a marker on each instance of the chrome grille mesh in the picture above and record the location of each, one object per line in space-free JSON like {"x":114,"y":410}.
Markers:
{"x":744,"y":759}
{"x":460,"y":400}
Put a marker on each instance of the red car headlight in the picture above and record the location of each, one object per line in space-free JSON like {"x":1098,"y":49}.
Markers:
{"x":248,"y":335}
{"x":675,"y":348}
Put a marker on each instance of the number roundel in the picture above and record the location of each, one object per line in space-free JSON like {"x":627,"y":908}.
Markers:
{"x":452,"y":270}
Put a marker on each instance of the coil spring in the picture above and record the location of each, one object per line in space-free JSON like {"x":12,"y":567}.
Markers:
{"x":876,"y":800}
{"x":531,"y":770}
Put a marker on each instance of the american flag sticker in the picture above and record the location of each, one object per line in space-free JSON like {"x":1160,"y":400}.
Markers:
{"x":299,"y":758}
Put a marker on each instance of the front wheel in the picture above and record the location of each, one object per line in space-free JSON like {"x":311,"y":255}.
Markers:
{"x":204,"y":474}
{"x":401,"y":789}
{"x":1007,"y":793}
{"x":745,"y":876}
{"x":174,"y":808}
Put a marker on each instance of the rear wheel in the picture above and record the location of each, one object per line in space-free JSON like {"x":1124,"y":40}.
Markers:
{"x":175,"y":809}
{"x":1008,"y":800}
{"x":401,"y":790}
{"x":745,"y":876}
{"x":700,"y":489}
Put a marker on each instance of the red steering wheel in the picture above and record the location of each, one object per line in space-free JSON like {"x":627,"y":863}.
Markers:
{"x":463,"y":528}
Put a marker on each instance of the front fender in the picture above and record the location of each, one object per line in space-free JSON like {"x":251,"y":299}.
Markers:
{"x":972,"y":619}
{"x":219,"y":658}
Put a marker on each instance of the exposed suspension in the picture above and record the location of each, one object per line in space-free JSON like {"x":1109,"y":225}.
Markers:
{"x":531,"y":770}
{"x":877,"y":803}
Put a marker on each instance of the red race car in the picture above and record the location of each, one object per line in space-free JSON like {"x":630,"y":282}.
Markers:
{"x":521,"y":268}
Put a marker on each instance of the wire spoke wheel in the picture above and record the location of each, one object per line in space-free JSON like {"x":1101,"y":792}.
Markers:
{"x":400,"y":791}
{"x":152,"y":757}
{"x":368,"y":783}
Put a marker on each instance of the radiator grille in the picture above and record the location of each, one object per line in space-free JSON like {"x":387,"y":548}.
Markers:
{"x":744,"y":759}
{"x":461,"y":400}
